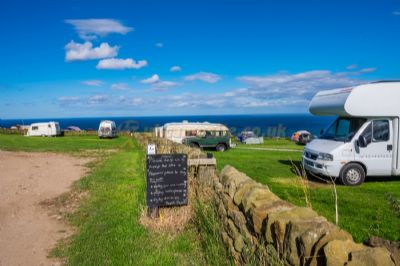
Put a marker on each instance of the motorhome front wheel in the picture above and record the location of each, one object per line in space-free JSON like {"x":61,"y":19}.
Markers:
{"x":352,"y":174}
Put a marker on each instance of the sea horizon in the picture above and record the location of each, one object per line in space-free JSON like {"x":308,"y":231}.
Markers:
{"x":273,"y":125}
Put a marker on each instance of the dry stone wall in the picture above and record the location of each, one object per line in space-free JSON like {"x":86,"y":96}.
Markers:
{"x":258,"y":227}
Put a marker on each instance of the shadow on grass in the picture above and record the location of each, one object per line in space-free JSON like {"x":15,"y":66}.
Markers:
{"x":382,"y":179}
{"x":295,"y":166}
{"x":323,"y":179}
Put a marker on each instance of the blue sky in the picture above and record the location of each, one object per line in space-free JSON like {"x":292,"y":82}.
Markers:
{"x":134,"y":58}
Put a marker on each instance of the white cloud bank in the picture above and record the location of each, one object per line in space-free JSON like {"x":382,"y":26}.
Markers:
{"x":280,"y":92}
{"x":119,"y":64}
{"x":295,"y":86}
{"x":204,"y":76}
{"x":276,"y":92}
{"x":89,"y":29}
{"x":86,"y":51}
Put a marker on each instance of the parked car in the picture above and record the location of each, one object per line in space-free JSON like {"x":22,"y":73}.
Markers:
{"x":249,"y":137}
{"x":107,"y":129}
{"x":302,"y":137}
{"x":218,"y":139}
{"x":44,"y":129}
{"x":364,"y":139}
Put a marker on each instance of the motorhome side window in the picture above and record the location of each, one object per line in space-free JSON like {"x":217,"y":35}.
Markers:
{"x":380,"y":130}
{"x":377,"y":131}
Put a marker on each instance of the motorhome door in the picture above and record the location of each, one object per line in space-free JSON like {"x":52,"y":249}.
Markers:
{"x":378,"y":150}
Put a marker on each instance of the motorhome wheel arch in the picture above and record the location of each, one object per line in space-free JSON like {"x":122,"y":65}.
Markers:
{"x":364,"y":139}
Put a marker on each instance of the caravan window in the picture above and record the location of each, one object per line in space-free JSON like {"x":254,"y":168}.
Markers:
{"x":191,"y":133}
{"x":35,"y":128}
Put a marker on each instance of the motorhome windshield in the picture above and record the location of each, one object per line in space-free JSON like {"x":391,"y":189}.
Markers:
{"x":343,"y":129}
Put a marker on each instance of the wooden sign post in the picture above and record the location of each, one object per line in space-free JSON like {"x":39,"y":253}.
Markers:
{"x":166,"y":181}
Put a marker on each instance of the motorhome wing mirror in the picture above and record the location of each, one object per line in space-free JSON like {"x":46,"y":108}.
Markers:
{"x":362,"y":141}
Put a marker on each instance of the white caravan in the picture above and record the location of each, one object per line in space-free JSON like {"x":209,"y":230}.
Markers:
{"x":179,"y":131}
{"x":45,"y":129}
{"x":364,"y":139}
{"x":107,"y":129}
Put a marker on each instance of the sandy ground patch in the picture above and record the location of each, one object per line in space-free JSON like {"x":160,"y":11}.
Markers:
{"x":28,"y":230}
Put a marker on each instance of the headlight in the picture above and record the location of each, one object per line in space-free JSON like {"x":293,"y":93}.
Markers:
{"x":325,"y":156}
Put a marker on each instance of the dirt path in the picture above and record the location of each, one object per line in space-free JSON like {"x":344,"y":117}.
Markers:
{"x":27,"y":229}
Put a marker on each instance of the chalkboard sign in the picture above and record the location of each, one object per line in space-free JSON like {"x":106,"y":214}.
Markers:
{"x":166,"y":180}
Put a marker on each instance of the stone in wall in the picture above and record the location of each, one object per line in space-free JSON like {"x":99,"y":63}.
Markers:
{"x":257,"y":216}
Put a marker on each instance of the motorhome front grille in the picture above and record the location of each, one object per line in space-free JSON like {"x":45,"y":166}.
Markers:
{"x":310,"y":155}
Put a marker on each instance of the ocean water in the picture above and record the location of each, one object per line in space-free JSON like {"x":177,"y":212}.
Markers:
{"x":272,"y":125}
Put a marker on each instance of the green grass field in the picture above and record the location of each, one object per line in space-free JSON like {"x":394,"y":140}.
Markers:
{"x":58,"y":144}
{"x":107,"y":222}
{"x":363,"y":210}
{"x":108,"y":228}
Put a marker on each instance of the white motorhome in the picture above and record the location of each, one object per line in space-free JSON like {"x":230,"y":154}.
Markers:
{"x":179,"y":131}
{"x":107,"y":129}
{"x":364,"y":139}
{"x":44,"y":129}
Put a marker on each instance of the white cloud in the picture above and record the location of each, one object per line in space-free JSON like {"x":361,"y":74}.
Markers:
{"x":120,"y":86}
{"x":396,"y":13}
{"x":175,"y":69}
{"x":99,"y":98}
{"x":153,"y":79}
{"x":295,"y":87}
{"x":117,"y":63}
{"x":204,"y":76}
{"x":158,"y":84}
{"x":93,"y":82}
{"x":352,"y":66}
{"x":86,"y":51}
{"x":65,"y":100}
{"x":136,"y":101}
{"x":159,"y":45}
{"x":89,"y":29}
{"x":368,"y":70}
